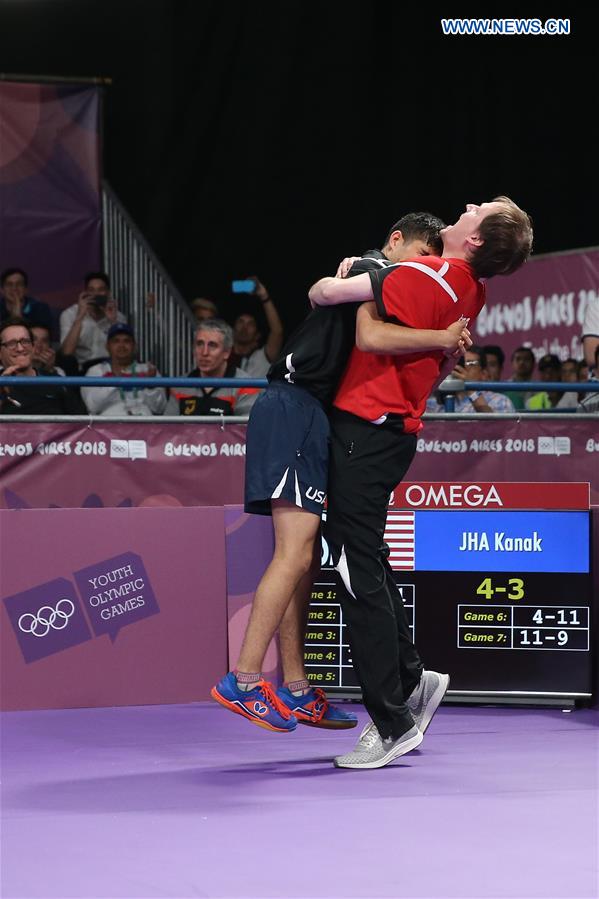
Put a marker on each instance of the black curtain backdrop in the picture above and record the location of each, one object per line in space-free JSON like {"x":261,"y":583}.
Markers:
{"x":275,"y":138}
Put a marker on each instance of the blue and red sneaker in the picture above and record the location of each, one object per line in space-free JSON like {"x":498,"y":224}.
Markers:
{"x":314,"y":710}
{"x":260,"y":705}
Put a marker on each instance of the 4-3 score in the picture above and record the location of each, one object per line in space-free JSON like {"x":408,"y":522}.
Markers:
{"x":514,"y":589}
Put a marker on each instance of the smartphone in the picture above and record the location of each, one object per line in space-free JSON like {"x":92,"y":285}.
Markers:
{"x":100,"y":299}
{"x":247,"y":286}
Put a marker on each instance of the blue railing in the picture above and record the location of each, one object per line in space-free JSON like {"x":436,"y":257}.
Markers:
{"x":452,"y":386}
{"x":83,"y":381}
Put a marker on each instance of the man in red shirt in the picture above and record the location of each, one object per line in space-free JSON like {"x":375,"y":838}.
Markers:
{"x":376,"y":416}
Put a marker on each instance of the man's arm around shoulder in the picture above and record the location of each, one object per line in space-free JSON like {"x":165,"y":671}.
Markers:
{"x":333,"y":291}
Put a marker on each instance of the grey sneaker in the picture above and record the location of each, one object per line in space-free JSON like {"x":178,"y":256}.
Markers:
{"x":363,"y":738}
{"x":424,"y":700}
{"x":373,"y":752}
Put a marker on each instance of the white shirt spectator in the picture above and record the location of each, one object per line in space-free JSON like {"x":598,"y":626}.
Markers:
{"x":92,"y":339}
{"x":111,"y":400}
{"x":255,"y":365}
{"x":590,"y":330}
{"x":497,"y":401}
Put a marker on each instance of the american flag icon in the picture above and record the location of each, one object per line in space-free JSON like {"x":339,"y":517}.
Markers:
{"x":400,"y":536}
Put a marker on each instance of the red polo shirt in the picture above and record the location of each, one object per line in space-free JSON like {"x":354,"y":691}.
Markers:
{"x":428,"y":293}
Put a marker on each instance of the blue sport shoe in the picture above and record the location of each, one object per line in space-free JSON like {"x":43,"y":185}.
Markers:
{"x":260,"y":705}
{"x":314,"y":710}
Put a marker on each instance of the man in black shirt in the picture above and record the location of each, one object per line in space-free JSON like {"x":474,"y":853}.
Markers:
{"x":16,"y":358}
{"x":286,"y":477}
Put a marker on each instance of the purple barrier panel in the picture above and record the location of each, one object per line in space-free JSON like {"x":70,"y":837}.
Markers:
{"x":112,"y":464}
{"x":50,"y":186}
{"x":542,"y":305}
{"x":249,"y":548}
{"x":111,"y":606}
{"x":509,"y":450}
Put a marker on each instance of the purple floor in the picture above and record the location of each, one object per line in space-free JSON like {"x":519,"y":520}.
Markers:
{"x":186,"y":801}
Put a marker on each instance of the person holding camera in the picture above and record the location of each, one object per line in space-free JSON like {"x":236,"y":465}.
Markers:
{"x":84,"y":326}
{"x":251,"y":352}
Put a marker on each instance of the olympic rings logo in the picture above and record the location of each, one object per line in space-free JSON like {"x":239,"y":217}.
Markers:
{"x":39,"y":625}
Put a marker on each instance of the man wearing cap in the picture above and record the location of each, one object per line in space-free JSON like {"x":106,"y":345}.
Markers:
{"x":111,"y":400}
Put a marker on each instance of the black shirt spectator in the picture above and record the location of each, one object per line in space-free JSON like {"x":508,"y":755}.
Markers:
{"x":16,"y":353}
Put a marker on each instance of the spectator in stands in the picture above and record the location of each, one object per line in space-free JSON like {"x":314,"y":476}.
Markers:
{"x":250,"y":352}
{"x":122,"y":363}
{"x":550,"y":369}
{"x":495,"y":358}
{"x":472,"y":367}
{"x":569,"y":370}
{"x":570,"y":373}
{"x":213,"y":346}
{"x":589,"y":402}
{"x":590,"y":331}
{"x":44,"y":357}
{"x":523,"y":366}
{"x":203,"y":308}
{"x":14,"y":302}
{"x":16,"y":358}
{"x":84,"y":326}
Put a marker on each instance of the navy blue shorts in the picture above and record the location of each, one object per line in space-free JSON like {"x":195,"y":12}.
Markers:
{"x":287,"y":450}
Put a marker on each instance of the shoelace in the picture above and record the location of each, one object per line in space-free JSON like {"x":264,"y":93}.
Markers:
{"x":270,"y":696}
{"x":320,"y":697}
{"x":369,"y":735}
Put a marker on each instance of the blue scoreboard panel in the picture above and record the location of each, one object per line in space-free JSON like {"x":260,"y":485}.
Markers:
{"x":501,"y":600}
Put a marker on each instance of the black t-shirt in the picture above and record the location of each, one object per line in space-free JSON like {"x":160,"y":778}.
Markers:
{"x":50,"y":399}
{"x":317,"y":352}
{"x":208,"y":400}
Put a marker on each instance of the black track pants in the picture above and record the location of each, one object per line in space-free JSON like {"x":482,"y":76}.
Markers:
{"x":367,"y":462}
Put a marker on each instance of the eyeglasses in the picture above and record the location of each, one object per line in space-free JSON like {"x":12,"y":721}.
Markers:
{"x":472,"y":362}
{"x":13,"y":344}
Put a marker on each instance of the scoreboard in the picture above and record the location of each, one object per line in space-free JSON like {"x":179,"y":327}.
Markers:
{"x":497,"y":595}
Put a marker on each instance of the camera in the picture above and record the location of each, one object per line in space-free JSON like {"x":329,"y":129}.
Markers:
{"x":100,"y":300}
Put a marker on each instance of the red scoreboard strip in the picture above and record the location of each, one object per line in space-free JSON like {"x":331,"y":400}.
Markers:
{"x":494,"y":496}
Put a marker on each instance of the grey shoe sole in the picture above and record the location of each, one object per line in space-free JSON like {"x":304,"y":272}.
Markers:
{"x":434,"y":702}
{"x":394,"y":753}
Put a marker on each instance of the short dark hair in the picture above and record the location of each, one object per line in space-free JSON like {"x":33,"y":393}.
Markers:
{"x":15,"y":322}
{"x":100,"y":276}
{"x":480,"y":352}
{"x":581,"y":365}
{"x":569,"y":359}
{"x":423,"y":225}
{"x":492,"y":349}
{"x":549,"y":360}
{"x":506,"y":241}
{"x":524,"y":349}
{"x":13,"y":271}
